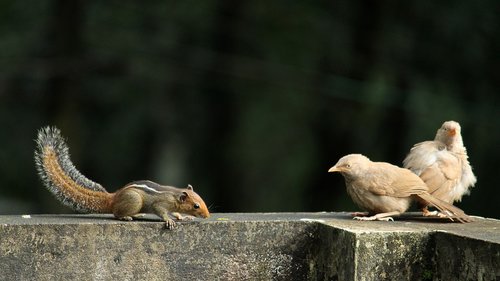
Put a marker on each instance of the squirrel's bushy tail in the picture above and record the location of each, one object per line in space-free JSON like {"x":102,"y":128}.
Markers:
{"x":61,"y":177}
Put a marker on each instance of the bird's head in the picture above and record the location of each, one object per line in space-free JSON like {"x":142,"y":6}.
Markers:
{"x":449,"y":133}
{"x":351,"y":164}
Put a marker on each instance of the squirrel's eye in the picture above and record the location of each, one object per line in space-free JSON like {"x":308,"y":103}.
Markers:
{"x":196,"y":206}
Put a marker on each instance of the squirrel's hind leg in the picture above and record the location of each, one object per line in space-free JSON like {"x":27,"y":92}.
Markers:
{"x":128,"y":204}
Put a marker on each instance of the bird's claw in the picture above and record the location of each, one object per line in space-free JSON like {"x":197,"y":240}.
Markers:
{"x":373,"y":218}
{"x":435,"y":214}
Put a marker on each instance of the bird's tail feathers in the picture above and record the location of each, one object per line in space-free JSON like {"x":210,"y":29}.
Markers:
{"x":450,"y":211}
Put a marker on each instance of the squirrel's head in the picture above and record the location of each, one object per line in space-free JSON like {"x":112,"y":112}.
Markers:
{"x":191,"y":203}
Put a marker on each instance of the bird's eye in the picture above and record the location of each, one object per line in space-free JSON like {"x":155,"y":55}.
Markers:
{"x":348,"y":165}
{"x":196,"y":206}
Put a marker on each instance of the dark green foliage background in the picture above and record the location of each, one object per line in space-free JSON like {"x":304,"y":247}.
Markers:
{"x":250,"y":102}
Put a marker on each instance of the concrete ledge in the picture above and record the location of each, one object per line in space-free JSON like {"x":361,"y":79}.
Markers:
{"x":274,"y":246}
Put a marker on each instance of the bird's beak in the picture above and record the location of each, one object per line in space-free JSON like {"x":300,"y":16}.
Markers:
{"x":452,"y":132}
{"x":334,"y":169}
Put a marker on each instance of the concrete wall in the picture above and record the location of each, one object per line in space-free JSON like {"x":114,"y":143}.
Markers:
{"x":281,"y":246}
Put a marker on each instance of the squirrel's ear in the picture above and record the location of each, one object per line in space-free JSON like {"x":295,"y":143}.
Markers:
{"x":183,"y":196}
{"x":190,"y":187}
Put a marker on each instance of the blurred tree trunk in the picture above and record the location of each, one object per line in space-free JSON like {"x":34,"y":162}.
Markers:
{"x":62,"y":53}
{"x":220,"y":108}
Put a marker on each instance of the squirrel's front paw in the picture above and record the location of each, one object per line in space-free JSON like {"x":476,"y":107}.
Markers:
{"x":180,"y":217}
{"x":169,"y":224}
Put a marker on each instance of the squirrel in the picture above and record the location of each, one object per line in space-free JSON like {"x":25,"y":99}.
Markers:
{"x":73,"y":189}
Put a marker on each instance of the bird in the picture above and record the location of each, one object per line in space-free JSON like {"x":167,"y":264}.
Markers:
{"x":386,"y":190}
{"x":443,"y":165}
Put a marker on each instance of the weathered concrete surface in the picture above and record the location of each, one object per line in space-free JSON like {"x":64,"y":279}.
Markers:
{"x":276,"y":246}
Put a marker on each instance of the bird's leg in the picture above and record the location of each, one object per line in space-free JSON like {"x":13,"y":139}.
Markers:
{"x":427,"y":213}
{"x":379,"y":217}
{"x":359,"y":214}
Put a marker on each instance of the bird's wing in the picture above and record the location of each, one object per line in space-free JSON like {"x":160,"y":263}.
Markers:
{"x":389,"y":180}
{"x":443,"y":176}
{"x":423,"y":155}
